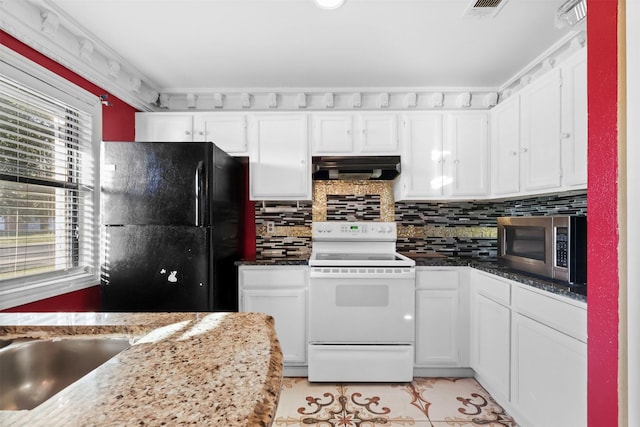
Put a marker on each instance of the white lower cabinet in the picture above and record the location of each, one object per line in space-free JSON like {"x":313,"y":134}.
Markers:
{"x":441,"y":328}
{"x":528,"y":348}
{"x":491,"y":334}
{"x":549,"y":381}
{"x":281,"y":292}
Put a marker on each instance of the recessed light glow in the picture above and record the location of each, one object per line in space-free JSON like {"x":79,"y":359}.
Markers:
{"x":329,"y":4}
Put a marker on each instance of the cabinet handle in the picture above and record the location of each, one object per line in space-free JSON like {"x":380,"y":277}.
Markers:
{"x":565,"y":135}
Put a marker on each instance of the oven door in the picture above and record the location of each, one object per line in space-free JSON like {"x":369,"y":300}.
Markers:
{"x":361,"y":305}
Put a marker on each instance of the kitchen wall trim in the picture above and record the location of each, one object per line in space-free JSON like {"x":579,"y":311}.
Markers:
{"x":46,"y":28}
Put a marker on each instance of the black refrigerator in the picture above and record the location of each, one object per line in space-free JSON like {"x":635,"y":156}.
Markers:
{"x":169,"y":227}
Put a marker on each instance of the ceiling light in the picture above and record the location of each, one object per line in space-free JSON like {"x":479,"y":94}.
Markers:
{"x":329,"y":4}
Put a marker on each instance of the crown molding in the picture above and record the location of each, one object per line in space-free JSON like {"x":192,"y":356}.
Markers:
{"x":42,"y":26}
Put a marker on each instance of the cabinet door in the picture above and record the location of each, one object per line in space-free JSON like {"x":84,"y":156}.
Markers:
{"x":279,"y":166}
{"x":333,"y":134}
{"x":422,"y":156}
{"x":227,"y":131}
{"x":287,"y":306}
{"x":549,"y":382}
{"x":161,"y":127}
{"x":574,"y":121}
{"x":467,"y":140}
{"x":540,"y":133}
{"x":379,"y":133}
{"x":490,"y":345}
{"x":505,"y":147}
{"x":437,"y":328}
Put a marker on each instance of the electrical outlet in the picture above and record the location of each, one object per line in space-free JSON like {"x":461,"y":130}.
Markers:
{"x":271,"y":227}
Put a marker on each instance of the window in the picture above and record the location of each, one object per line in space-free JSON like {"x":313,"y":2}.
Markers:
{"x":48,"y":231}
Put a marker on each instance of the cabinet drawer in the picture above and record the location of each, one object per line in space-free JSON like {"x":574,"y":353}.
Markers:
{"x":493,"y":288}
{"x":436,"y":279}
{"x":273,"y":277}
{"x":565,"y":316}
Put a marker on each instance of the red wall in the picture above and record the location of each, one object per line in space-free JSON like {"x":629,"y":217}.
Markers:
{"x":118,"y":124}
{"x":602,"y":199}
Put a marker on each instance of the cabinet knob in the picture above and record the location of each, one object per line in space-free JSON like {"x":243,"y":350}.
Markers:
{"x":187,"y":132}
{"x":202,"y":133}
{"x":514,"y":153}
{"x":565,"y":135}
{"x":348,"y":131}
{"x":524,"y":150}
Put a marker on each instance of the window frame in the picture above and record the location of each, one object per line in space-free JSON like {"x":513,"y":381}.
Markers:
{"x":36,"y":77}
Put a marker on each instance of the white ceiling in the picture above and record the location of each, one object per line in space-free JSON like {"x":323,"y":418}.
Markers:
{"x":183,"y":45}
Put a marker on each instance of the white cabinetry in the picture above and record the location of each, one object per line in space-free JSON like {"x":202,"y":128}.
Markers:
{"x":441,"y":322}
{"x":164,"y":127}
{"x":574,"y":121}
{"x":528,"y":349}
{"x":279,"y":291}
{"x":540,"y":133}
{"x":491,"y":333}
{"x":505,"y":147}
{"x":549,"y":359}
{"x":227,"y":130}
{"x":355,"y":134}
{"x":445,"y":155}
{"x":279,"y":160}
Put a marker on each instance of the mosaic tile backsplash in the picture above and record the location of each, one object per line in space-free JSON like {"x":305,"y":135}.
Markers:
{"x":466,"y":229}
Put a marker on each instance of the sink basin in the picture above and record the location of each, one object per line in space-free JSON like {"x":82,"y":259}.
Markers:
{"x":33,"y":371}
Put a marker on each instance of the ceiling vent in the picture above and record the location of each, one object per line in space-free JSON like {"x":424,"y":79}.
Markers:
{"x":571,"y":13}
{"x":481,"y":8}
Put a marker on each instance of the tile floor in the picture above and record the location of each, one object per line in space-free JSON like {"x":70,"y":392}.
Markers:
{"x":428,"y":402}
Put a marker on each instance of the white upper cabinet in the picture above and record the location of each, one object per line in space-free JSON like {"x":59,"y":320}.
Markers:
{"x":333,"y":133}
{"x":467,"y":142}
{"x":227,"y":130}
{"x":164,"y":127}
{"x":574,"y":121}
{"x":279,"y":160}
{"x":379,"y":133}
{"x":540,"y":133}
{"x":421,"y":160}
{"x":355,"y":134}
{"x":505,"y":147}
{"x":445,"y":155}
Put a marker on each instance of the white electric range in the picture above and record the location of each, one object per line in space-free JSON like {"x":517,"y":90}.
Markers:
{"x":361,"y":304}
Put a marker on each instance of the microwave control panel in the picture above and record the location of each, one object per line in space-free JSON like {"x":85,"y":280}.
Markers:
{"x":562,"y":247}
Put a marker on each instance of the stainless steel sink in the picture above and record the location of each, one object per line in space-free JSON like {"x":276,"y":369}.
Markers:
{"x":33,"y":371}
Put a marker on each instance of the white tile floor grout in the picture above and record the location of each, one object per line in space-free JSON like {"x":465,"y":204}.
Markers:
{"x":432,"y":402}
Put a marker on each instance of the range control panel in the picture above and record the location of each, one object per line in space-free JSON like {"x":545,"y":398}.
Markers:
{"x":339,"y":230}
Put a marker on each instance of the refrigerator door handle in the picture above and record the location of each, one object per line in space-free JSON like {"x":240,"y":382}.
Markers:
{"x":198,"y":188}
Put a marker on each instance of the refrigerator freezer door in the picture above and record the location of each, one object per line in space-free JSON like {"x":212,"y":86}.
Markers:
{"x":155,"y":183}
{"x":156,"y":268}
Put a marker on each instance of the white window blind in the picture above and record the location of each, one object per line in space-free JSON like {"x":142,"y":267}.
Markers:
{"x":46,"y":186}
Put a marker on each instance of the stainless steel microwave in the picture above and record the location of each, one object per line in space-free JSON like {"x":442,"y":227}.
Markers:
{"x":548,"y":246}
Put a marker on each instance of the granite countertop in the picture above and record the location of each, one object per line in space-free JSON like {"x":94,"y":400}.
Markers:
{"x":433,"y":259}
{"x":575,"y":292}
{"x":183,"y":368}
{"x":274,"y":260}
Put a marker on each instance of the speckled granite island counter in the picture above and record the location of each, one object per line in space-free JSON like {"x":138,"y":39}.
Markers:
{"x":218,"y":369}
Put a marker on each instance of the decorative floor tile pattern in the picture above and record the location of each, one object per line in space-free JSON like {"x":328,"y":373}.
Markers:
{"x":428,"y":402}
